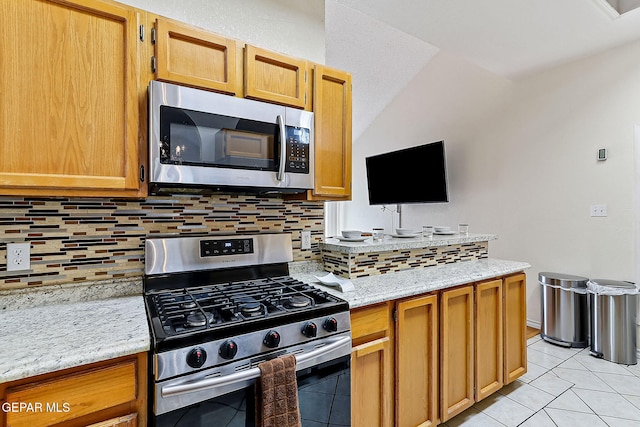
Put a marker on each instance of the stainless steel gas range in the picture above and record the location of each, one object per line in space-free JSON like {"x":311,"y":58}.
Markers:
{"x":220,"y":305}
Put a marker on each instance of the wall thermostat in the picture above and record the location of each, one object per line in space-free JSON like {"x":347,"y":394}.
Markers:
{"x":602,"y":154}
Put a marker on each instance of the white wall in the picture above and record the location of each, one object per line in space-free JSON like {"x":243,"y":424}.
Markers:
{"x":287,"y":26}
{"x":449,"y":99}
{"x":522,"y":161}
{"x":545,"y":148}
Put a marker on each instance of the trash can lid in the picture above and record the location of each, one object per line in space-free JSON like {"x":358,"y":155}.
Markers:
{"x":614,"y":283}
{"x":562,"y":280}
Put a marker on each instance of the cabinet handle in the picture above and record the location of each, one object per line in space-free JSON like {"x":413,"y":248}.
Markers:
{"x":153,"y":64}
{"x":141,"y":173}
{"x":141,"y":33}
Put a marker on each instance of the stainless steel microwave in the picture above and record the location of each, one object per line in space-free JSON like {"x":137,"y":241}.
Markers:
{"x":203,"y":141}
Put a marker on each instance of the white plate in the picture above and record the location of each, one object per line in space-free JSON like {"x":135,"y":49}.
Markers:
{"x":406,"y":235}
{"x":351,"y":239}
{"x":447,"y":233}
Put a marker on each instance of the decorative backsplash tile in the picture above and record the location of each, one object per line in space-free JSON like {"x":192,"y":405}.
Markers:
{"x":374,"y":263}
{"x":76,"y":240}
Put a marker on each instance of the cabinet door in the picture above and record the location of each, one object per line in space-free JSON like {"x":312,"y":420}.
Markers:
{"x":488,"y":338}
{"x":276,"y":78}
{"x":332,"y":110}
{"x":194,"y":57}
{"x":417,"y":362}
{"x":515,"y":327}
{"x":130,"y":420}
{"x":69,"y":121}
{"x":370,"y":386}
{"x":456,"y":351}
{"x":85,"y":393}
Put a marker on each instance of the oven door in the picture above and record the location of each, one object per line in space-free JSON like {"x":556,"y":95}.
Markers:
{"x":324,"y":393}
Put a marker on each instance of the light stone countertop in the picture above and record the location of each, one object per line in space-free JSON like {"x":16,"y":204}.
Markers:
{"x":391,"y":243}
{"x":56,"y":330}
{"x":17,"y":299}
{"x":385,"y":287}
{"x":43,"y":339}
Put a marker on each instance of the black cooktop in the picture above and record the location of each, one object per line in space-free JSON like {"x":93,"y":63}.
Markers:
{"x":193,"y":315}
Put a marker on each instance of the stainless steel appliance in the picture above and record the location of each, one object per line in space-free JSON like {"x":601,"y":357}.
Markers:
{"x":613,"y":320}
{"x":220,"y":305}
{"x":205,"y":141}
{"x":565,"y":316}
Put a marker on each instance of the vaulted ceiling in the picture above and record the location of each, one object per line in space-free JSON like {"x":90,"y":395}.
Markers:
{"x":386,"y":43}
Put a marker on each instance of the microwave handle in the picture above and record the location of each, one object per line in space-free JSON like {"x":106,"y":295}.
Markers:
{"x":283,"y":147}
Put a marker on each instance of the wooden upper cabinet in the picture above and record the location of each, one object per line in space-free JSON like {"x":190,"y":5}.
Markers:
{"x":332,"y":109}
{"x":515,"y":327}
{"x":194,"y":57}
{"x":70,"y":89}
{"x":417,"y":362}
{"x":272,"y":77}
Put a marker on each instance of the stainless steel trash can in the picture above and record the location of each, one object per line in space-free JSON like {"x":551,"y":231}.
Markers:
{"x":613,"y":320}
{"x":565,"y":315}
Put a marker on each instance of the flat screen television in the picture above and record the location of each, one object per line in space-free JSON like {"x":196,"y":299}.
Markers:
{"x":412,"y":175}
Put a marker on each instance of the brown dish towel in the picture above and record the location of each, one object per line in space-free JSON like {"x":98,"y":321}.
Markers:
{"x":277,"y":394}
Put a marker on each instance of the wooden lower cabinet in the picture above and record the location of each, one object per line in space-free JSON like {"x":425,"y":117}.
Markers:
{"x":515,"y":327}
{"x":104,"y":394}
{"x":446,"y":351}
{"x":372,"y":367}
{"x":130,"y":420}
{"x":488,"y":339}
{"x":456,"y":351}
{"x":417,"y":362}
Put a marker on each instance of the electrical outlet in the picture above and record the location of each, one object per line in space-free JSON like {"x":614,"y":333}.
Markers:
{"x":306,"y":239}
{"x":598,"y":210}
{"x":18,"y":256}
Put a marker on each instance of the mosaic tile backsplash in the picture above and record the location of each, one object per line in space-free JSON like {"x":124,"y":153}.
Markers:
{"x":76,"y":240}
{"x":374,"y":263}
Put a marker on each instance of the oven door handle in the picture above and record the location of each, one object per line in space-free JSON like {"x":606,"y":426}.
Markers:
{"x":249,"y":374}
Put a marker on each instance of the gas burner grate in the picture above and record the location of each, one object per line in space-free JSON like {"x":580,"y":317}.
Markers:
{"x":205,"y":307}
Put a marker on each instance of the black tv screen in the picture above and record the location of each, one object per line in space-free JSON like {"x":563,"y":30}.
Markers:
{"x":413,"y":175}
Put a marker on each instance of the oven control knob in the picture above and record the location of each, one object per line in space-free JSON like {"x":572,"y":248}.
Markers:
{"x":228,"y":349}
{"x":309,"y":330}
{"x":330,"y":325}
{"x":272,"y":339}
{"x":196,"y":357}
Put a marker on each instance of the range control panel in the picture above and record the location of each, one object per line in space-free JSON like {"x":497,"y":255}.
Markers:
{"x":209,"y":248}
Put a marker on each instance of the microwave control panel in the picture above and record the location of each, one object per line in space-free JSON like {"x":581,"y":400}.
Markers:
{"x":297,"y":150}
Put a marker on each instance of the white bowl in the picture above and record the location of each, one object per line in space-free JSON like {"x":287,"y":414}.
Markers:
{"x":351,"y":234}
{"x":441,"y":228}
{"x":403,"y":231}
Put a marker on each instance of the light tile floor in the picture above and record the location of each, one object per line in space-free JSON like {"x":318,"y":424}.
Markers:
{"x":562,"y":388}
